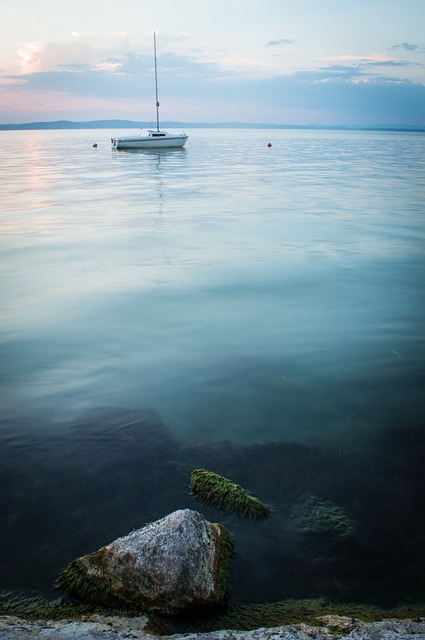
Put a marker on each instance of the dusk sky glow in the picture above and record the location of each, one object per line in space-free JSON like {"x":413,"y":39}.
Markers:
{"x":295,"y":62}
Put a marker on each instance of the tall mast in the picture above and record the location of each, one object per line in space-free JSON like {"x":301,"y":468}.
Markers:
{"x":156,"y":82}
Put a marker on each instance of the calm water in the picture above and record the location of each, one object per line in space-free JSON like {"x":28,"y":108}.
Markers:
{"x":257,"y":311}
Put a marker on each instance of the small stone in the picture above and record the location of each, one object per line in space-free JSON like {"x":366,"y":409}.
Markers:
{"x":168,"y":566}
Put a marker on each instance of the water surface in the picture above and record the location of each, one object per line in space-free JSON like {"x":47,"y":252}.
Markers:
{"x":257,"y":311}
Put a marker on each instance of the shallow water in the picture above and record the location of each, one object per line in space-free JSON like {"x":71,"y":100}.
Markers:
{"x":272,"y":298}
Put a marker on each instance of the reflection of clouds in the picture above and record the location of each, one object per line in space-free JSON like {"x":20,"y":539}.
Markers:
{"x":26,"y":190}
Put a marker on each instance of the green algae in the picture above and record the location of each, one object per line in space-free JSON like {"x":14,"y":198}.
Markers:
{"x":224,"y":494}
{"x":35,"y":607}
{"x":223,"y":560}
{"x":255,"y":616}
{"x":83,"y":585}
{"x":238,"y":617}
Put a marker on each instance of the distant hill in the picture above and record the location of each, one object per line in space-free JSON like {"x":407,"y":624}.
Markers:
{"x":128,"y":124}
{"x":68,"y":124}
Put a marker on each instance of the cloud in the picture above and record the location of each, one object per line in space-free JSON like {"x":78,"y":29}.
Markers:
{"x":108,"y":71}
{"x":376,"y":58}
{"x":391,"y":63}
{"x":406,"y":46}
{"x":81,"y":49}
{"x":83,"y":82}
{"x":376,"y":101}
{"x":363,"y":69}
{"x":130,"y":75}
{"x":30,"y":56}
{"x":279,"y":43}
{"x":113,"y":76}
{"x":302,"y":98}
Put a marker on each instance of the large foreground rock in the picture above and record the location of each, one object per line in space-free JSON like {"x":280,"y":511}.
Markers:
{"x":168,"y":566}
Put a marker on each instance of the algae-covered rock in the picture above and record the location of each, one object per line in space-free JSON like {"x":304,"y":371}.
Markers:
{"x":168,"y":566}
{"x":315,"y":517}
{"x":215,"y":490}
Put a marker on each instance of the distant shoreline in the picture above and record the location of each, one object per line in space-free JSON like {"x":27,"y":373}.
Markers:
{"x":128,"y":124}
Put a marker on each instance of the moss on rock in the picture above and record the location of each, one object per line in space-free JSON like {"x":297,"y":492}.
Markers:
{"x":224,"y":494}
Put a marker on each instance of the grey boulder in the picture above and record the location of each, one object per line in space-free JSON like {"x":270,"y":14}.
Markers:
{"x":168,"y":566}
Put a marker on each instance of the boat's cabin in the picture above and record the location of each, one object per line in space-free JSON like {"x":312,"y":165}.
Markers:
{"x":157,"y":134}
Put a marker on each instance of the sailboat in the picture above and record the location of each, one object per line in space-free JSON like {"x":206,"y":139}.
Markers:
{"x":152,"y":138}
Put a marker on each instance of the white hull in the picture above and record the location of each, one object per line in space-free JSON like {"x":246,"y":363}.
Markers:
{"x":151,"y":140}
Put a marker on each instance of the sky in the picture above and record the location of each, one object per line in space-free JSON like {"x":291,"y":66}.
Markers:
{"x":297,"y":62}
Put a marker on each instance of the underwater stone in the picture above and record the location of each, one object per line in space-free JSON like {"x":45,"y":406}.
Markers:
{"x":168,"y":566}
{"x":220,"y":492}
{"x":315,"y":517}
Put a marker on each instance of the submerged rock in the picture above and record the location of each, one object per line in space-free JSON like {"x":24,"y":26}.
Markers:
{"x":168,"y":566}
{"x":318,"y":518}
